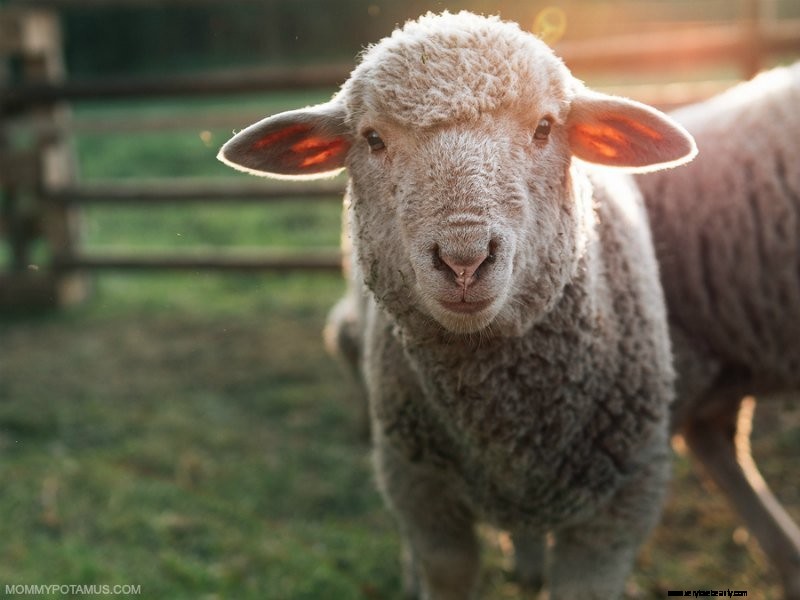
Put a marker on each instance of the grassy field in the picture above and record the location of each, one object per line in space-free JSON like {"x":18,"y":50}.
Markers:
{"x":187,"y":433}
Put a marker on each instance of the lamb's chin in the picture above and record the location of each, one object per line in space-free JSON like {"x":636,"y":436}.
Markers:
{"x":464,"y":318}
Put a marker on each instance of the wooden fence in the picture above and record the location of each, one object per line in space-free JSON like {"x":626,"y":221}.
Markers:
{"x":42,"y":200}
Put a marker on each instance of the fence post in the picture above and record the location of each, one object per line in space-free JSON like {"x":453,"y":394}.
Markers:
{"x":38,"y":233}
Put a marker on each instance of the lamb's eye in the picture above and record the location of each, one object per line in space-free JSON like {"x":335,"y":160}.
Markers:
{"x":374,"y":140}
{"x":542,"y":129}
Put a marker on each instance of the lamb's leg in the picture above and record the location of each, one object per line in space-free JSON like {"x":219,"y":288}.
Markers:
{"x":720,"y":439}
{"x":592,"y":559}
{"x":342,"y":333}
{"x":343,"y":339}
{"x":414,"y":471}
{"x":344,"y":330}
{"x":530,"y":557}
{"x":438,"y":530}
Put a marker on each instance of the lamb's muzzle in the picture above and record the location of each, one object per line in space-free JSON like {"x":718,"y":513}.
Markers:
{"x":463,"y":274}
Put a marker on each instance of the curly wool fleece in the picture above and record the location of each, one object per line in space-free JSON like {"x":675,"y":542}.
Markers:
{"x":426,"y":74}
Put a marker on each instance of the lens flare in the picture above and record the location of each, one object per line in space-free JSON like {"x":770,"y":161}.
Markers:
{"x":550,"y":25}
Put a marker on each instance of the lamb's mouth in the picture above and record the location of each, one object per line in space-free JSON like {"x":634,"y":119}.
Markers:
{"x":467,"y":308}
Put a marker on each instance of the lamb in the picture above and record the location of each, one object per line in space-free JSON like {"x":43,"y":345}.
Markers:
{"x":727,"y":234}
{"x":515,"y":347}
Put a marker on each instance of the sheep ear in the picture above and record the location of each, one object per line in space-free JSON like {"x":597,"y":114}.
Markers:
{"x":299,"y":144}
{"x":618,"y":132}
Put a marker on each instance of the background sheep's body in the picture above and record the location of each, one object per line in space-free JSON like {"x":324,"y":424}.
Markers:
{"x":726,"y":227}
{"x":516,"y":354}
{"x":727,"y":236}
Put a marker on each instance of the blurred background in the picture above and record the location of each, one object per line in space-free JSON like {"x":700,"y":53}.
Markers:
{"x":168,"y":417}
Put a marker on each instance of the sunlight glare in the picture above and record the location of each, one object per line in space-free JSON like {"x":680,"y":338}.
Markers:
{"x":550,"y":25}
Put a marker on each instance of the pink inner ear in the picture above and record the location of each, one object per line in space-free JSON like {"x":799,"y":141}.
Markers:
{"x":643,"y":129}
{"x":614,"y":137}
{"x":606,"y":140}
{"x":296,"y":149}
{"x":325,"y":150}
{"x":278,"y":136}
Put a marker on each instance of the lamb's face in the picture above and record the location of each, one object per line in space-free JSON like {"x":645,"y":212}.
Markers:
{"x":459,"y":133}
{"x":460,"y":144}
{"x":472,"y":216}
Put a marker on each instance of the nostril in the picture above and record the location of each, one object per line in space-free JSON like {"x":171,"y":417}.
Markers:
{"x":491,"y":255}
{"x":438,"y":263}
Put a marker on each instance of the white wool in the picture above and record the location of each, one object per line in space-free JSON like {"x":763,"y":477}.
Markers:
{"x":452,"y":67}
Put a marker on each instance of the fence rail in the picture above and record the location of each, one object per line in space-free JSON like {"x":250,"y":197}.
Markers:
{"x":193,"y":191}
{"x":322,"y":260}
{"x":24,"y":96}
{"x":744,"y":44}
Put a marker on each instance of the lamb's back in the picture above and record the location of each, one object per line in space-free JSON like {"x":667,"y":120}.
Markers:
{"x":726,"y":227}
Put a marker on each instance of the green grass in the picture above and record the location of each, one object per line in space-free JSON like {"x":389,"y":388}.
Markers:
{"x":194,"y":453}
{"x":188,"y":434}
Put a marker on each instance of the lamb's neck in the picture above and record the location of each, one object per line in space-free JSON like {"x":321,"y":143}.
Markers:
{"x":505,"y":397}
{"x":468,"y":361}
